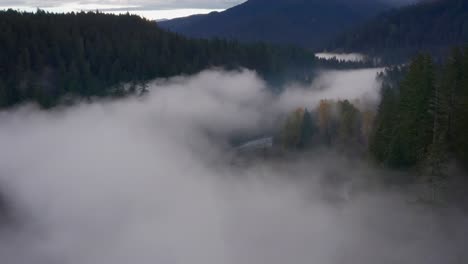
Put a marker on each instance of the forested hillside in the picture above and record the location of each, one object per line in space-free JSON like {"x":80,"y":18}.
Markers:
{"x":306,"y":23}
{"x":423,"y":121}
{"x":420,"y":125}
{"x":46,"y":56}
{"x":397,"y":35}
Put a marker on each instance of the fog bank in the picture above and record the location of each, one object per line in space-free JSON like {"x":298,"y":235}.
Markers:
{"x":341,"y":56}
{"x":144,"y":180}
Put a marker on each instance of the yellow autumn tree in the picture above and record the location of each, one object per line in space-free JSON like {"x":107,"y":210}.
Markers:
{"x":292,"y":129}
{"x":324,"y":112}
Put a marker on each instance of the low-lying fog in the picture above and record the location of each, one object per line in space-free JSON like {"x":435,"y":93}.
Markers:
{"x":341,"y":56}
{"x":144,"y":180}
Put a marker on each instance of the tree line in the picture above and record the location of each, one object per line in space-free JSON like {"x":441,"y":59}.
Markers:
{"x":341,"y":124}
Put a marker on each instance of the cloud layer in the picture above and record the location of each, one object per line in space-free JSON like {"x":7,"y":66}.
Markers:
{"x":144,"y":4}
{"x":141,"y":4}
{"x":146,"y":180}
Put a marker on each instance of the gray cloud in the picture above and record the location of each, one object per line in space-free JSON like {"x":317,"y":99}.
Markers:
{"x":144,"y":4}
{"x":146,"y":180}
{"x":147,"y":4}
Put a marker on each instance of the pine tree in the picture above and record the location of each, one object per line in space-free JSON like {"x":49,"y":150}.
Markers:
{"x":349,"y":124}
{"x":413,"y":133}
{"x":435,"y":166}
{"x":307,"y":130}
{"x":385,"y":124}
{"x":404,"y":124}
{"x":292,"y":130}
{"x":458,"y":82}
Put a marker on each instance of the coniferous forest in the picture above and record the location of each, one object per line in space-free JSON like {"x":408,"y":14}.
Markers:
{"x":45,"y":56}
{"x":423,"y":119}
{"x":396,"y":35}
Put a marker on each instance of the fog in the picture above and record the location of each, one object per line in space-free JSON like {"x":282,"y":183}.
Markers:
{"x":146,"y":180}
{"x":334,"y":85}
{"x":341,"y":56}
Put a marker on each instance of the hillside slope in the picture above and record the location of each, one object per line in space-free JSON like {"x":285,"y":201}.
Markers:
{"x":302,"y":22}
{"x":431,"y":26}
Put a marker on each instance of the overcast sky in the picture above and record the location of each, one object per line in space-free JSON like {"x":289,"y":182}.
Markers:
{"x":145,"y":4}
{"x":151,"y":9}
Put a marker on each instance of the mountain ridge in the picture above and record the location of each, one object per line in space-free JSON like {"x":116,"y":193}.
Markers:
{"x":429,"y":26}
{"x":298,"y":22}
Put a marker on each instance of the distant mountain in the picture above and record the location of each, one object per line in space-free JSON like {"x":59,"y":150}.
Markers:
{"x":301,"y":22}
{"x":432,"y":26}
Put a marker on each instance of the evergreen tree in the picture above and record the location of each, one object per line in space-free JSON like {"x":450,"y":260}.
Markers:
{"x":423,"y":121}
{"x":412,"y":134}
{"x":457,"y":82}
{"x":349,"y":124}
{"x":308,"y":130}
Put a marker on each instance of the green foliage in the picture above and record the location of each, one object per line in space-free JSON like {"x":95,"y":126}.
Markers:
{"x":349,"y":131}
{"x":423,"y":121}
{"x":457,"y":83}
{"x":385,"y":123}
{"x":403,"y":130}
{"x":308,"y":130}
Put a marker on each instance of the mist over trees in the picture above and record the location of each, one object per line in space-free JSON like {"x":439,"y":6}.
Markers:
{"x":353,"y":175}
{"x":421,"y":119}
{"x":336,"y":124}
{"x":138,"y":180}
{"x":420,"y":124}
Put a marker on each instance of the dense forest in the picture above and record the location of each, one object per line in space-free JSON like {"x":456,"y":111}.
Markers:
{"x":45,"y":56}
{"x":420,"y":124}
{"x":306,"y":23}
{"x":424,"y":120}
{"x":399,"y":34}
